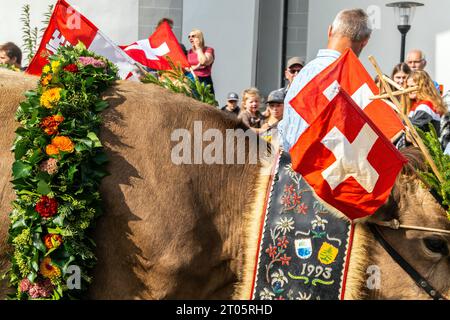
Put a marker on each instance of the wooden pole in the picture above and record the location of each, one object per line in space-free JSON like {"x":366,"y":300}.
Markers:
{"x":408,"y":123}
{"x":401,"y":92}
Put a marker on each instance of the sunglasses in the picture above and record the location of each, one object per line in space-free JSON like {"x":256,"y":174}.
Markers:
{"x":191,"y":36}
{"x":295,"y":71}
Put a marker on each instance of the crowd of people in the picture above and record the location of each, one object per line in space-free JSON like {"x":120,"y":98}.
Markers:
{"x":350,"y":29}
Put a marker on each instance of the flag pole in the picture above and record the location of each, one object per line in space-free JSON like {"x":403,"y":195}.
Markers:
{"x":405,"y":118}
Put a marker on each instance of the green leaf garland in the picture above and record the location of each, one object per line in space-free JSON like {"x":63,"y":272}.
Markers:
{"x":59,"y":165}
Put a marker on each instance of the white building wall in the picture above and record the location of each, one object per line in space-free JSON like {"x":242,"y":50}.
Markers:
{"x":430,"y":32}
{"x":117,"y":19}
{"x":230,"y":27}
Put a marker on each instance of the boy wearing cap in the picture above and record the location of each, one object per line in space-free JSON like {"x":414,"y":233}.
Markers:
{"x":232,"y":104}
{"x":275,"y":108}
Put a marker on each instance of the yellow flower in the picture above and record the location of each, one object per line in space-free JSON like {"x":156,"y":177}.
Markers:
{"x":46,"y":69}
{"x":48,"y":270}
{"x":50,"y":97}
{"x":55,"y":65}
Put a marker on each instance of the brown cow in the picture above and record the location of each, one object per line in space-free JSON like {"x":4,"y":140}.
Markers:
{"x":176,"y":231}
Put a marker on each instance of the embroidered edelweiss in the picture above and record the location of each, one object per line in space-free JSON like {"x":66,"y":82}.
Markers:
{"x":285,"y":225}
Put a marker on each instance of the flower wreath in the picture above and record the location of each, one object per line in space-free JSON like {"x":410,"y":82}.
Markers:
{"x":59,"y":164}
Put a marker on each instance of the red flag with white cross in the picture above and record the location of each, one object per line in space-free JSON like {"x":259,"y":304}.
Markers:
{"x":153,"y":52}
{"x":67,"y":27}
{"x":346,"y":159}
{"x":346,"y":73}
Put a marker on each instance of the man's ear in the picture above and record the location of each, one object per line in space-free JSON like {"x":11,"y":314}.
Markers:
{"x":364,"y":43}
{"x":330,"y":31}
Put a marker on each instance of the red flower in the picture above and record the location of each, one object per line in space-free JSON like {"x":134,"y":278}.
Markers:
{"x":47,"y":207}
{"x":289,"y":189}
{"x":283,"y":242}
{"x":272,"y":251}
{"x":296,"y":199}
{"x":286,"y":201}
{"x":302,"y":209}
{"x":71,"y":68}
{"x":280,"y":298}
{"x":285,"y":260}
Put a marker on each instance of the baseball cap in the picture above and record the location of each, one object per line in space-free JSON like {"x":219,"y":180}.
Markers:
{"x":276,"y":96}
{"x":295,"y":60}
{"x":232,"y":96}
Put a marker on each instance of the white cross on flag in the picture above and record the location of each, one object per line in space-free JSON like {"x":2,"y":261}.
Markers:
{"x":153,"y":52}
{"x":346,"y":73}
{"x":346,"y":159}
{"x":68,"y":27}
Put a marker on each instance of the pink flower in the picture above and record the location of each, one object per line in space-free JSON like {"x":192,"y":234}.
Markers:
{"x":42,"y":289}
{"x":50,"y":166}
{"x":25,"y":285}
{"x":296,"y":199}
{"x":302,"y":209}
{"x":86,"y":61}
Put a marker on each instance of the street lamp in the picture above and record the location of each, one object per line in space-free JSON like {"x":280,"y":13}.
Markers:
{"x":404,"y":13}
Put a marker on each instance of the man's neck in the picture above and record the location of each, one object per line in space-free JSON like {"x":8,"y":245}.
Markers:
{"x":340,"y":44}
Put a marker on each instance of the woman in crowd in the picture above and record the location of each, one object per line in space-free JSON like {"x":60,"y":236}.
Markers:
{"x":250,"y":114}
{"x":201,"y":58}
{"x":426,"y":105}
{"x":400,"y":74}
{"x":10,"y":55}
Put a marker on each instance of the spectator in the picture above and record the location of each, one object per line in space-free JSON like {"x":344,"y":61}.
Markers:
{"x":416,"y":61}
{"x":201,"y":58}
{"x":170,"y":22}
{"x":275,"y":107}
{"x":250,"y":115}
{"x":232,"y":104}
{"x":11,"y":55}
{"x":400,"y":74}
{"x":445,"y":133}
{"x":350,"y":29}
{"x":293,"y":67}
{"x":426,"y":105}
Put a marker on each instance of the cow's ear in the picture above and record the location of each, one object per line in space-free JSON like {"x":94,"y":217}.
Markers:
{"x":390,"y":210}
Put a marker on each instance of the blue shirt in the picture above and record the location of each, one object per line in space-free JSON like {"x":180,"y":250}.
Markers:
{"x":292,"y":125}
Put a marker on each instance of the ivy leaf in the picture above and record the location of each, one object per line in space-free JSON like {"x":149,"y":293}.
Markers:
{"x":59,"y":221}
{"x":20,"y":149}
{"x":21,"y":170}
{"x":19,"y":223}
{"x":101,"y":105}
{"x":72,"y":170}
{"x":43,"y":188}
{"x":32,"y":276}
{"x":35,"y":261}
{"x":38,"y":243}
{"x":94,"y":139}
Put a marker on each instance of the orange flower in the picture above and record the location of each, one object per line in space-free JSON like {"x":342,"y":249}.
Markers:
{"x":48,"y":270}
{"x":63,"y":144}
{"x":51,"y":150}
{"x":52,"y":241}
{"x":51,"y":124}
{"x":46,"y":80}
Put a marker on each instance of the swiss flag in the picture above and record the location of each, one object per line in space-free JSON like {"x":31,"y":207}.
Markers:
{"x":67,"y":27}
{"x":346,"y":159}
{"x":346,"y":73}
{"x":152,"y":52}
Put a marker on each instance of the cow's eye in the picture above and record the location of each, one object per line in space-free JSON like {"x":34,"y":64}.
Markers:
{"x":436,"y":245}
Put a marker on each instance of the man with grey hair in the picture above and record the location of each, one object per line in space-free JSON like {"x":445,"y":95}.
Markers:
{"x":416,"y":61}
{"x":350,"y":29}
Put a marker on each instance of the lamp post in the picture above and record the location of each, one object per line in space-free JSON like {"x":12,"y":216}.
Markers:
{"x":404,"y":13}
